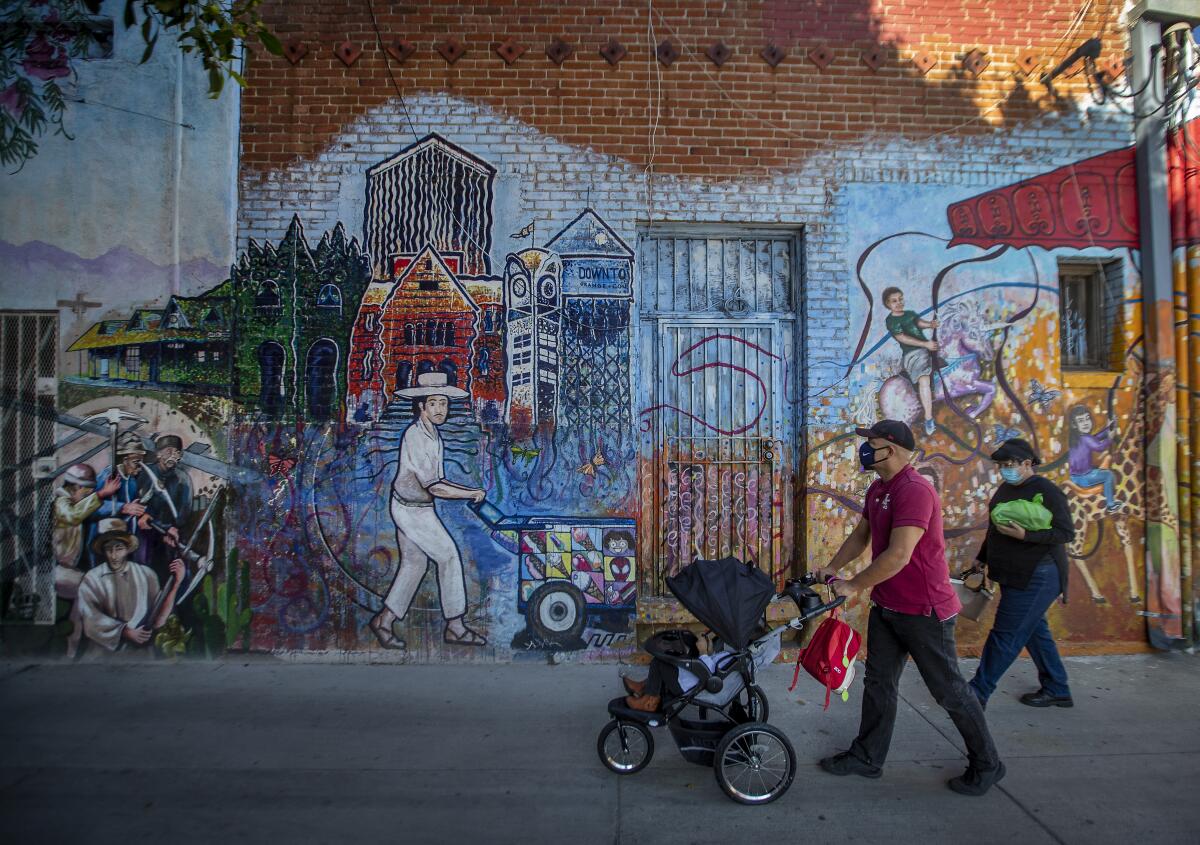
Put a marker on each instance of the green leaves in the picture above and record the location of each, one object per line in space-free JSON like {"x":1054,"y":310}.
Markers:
{"x":211,"y":30}
{"x":214,"y":31}
{"x":270,"y":42}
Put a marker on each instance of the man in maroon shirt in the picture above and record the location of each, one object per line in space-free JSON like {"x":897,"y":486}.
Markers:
{"x":913,"y":610}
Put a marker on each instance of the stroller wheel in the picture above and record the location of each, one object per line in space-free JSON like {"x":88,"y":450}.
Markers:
{"x":755,"y":763}
{"x":625,"y":747}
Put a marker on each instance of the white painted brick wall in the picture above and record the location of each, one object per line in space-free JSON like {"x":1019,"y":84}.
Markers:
{"x":550,"y":182}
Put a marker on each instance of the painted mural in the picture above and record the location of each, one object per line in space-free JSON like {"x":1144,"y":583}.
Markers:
{"x":453,"y":486}
{"x":418,"y":436}
{"x":971,"y":329}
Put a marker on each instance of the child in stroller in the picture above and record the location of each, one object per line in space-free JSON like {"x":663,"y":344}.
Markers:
{"x":726,"y":728}
{"x":666,"y":680}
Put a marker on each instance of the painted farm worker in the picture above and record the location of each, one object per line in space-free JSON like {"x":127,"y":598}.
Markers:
{"x":913,"y":611}
{"x":420,"y":534}
{"x":170,"y":503}
{"x":116,"y":597}
{"x":76,"y":499}
{"x":1030,"y":565}
{"x":126,"y":503}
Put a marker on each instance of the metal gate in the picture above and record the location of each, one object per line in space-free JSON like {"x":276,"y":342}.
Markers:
{"x":28,"y":365}
{"x":718,"y":339}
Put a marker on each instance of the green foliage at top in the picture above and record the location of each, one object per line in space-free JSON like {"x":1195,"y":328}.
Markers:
{"x":42,"y":42}
{"x":212,"y":30}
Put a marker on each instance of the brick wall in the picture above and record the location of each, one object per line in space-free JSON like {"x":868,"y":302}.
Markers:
{"x":744,"y":142}
{"x":691,"y":117}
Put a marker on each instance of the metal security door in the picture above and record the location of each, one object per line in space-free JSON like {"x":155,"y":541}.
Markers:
{"x":720,"y":469}
{"x":28,"y":360}
{"x":717,"y":350}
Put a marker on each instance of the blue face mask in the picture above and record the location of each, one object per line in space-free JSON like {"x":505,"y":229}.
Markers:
{"x":1011,"y":474}
{"x":866,"y":455}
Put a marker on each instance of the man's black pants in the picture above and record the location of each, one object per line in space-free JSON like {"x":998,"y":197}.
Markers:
{"x":891,"y":638}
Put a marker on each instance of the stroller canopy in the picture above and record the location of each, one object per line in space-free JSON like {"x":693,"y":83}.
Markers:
{"x":727,"y":595}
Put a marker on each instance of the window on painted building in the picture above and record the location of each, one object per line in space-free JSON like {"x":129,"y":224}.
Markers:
{"x":133,"y":358}
{"x":173,"y":320}
{"x":330,"y":297}
{"x":267,"y":303}
{"x":215,"y":355}
{"x":487,"y":320}
{"x":201,"y":356}
{"x":1090,"y":298}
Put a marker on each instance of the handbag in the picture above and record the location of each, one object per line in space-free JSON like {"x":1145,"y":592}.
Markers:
{"x":974,"y":599}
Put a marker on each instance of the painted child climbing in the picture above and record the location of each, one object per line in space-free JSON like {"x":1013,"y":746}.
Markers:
{"x":1082,"y":444}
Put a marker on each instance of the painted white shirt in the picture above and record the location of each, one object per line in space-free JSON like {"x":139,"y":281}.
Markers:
{"x":109,"y":600}
{"x":420,"y":464}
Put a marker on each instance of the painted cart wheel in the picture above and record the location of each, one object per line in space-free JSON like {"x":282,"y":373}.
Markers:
{"x":556,"y":611}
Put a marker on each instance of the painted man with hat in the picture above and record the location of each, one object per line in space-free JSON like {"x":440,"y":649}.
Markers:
{"x":170,"y":501}
{"x":913,"y":610}
{"x":420,"y":534}
{"x":121,"y":601}
{"x":75,"y":499}
{"x":127,"y":503}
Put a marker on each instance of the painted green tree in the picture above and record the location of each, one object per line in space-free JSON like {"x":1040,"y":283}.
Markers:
{"x":294,"y":310}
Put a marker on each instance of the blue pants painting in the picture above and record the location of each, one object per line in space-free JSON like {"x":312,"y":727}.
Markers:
{"x":1021,"y":623}
{"x":1096,"y":477}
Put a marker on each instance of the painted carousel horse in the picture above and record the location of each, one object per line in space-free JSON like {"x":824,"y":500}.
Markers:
{"x":964,"y":340}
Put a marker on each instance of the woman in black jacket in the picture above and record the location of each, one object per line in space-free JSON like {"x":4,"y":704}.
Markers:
{"x":1031,"y":569}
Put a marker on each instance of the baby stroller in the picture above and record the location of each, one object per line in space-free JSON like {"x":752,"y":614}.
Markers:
{"x":721,"y":721}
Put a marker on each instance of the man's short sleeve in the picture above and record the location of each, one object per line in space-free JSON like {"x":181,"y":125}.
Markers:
{"x":915,"y":505}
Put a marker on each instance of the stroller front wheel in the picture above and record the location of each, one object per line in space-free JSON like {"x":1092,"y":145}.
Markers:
{"x":755,"y":763}
{"x":625,"y":747}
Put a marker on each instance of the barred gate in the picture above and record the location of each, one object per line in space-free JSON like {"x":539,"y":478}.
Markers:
{"x":27,"y":354}
{"x":718,"y":384}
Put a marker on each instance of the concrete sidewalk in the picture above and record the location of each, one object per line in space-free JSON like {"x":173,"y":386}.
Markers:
{"x":264,"y":751}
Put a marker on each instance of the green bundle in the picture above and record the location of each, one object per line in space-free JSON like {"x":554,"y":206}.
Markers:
{"x":1032,"y":516}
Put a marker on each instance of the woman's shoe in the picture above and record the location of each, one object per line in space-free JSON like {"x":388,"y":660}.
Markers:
{"x":1041,"y":698}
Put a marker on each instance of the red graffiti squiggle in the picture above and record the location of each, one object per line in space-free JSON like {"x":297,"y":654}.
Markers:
{"x":675,"y":371}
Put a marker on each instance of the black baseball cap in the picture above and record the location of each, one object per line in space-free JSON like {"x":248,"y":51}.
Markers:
{"x":893,"y":431}
{"x":1016,"y":450}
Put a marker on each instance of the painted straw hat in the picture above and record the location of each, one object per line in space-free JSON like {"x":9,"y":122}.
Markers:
{"x":113,"y":529}
{"x":432,"y":384}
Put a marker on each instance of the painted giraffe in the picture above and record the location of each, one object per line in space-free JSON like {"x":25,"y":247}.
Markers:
{"x":1142,"y":502}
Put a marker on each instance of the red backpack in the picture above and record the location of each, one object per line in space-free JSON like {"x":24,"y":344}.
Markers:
{"x":829,"y":657}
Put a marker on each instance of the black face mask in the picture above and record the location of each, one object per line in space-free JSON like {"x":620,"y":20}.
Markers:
{"x":866,"y":454}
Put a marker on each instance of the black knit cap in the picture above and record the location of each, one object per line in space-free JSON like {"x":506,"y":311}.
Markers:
{"x":893,"y":431}
{"x":1016,"y":450}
